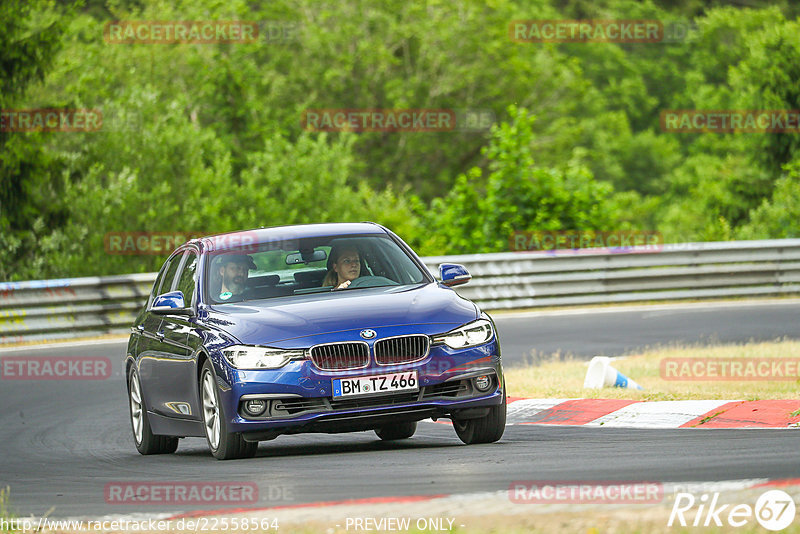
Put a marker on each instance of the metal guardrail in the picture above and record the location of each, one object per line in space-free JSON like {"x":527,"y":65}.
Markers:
{"x":678,"y":271}
{"x":71,"y":307}
{"x":77,"y":307}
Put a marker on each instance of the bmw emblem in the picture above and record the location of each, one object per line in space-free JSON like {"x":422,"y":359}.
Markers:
{"x":368,"y":334}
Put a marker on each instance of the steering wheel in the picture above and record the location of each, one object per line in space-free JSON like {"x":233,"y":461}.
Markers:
{"x":372,"y":281}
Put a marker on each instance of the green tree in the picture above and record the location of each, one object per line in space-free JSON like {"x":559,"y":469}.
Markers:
{"x":779,"y":215}
{"x":483,"y":210}
{"x":28,"y":203}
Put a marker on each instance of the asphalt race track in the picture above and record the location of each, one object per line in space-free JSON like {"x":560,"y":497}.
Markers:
{"x":618,"y":330}
{"x":63,"y":441}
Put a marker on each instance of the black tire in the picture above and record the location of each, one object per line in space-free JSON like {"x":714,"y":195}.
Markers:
{"x":487,"y":429}
{"x":224,"y":445}
{"x":397,"y":431}
{"x":146,"y":442}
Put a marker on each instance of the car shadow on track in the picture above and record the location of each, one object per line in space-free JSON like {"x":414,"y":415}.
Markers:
{"x":307,"y":448}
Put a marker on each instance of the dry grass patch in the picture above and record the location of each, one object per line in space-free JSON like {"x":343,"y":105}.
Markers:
{"x":562,"y":377}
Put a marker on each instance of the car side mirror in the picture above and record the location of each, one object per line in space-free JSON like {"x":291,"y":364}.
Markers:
{"x":453,"y":274}
{"x":171,"y":303}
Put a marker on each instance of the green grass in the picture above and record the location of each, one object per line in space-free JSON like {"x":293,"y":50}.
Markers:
{"x":5,"y":512}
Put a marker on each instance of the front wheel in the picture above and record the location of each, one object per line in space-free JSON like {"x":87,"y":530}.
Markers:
{"x":487,"y":429}
{"x":397,"y":431}
{"x":224,"y":445}
{"x":146,"y":442}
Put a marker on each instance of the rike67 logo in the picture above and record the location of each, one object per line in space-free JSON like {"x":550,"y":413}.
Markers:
{"x":774,"y":510}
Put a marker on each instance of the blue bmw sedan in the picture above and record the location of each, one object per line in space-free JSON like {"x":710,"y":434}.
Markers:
{"x":315,"y":328}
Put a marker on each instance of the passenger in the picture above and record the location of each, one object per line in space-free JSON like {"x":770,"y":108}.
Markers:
{"x":233,"y":269}
{"x":344,"y":266}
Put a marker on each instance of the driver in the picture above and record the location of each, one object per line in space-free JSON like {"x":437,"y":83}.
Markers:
{"x":344,"y":266}
{"x":233,"y":270}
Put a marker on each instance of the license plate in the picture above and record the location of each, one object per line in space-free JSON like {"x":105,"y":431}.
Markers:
{"x":372,"y":385}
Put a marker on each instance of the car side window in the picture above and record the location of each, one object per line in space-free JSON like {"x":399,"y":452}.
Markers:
{"x":157,"y":286}
{"x":187,"y":277}
{"x":169,"y":276}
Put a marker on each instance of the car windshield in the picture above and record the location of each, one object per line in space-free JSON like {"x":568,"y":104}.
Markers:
{"x":311,"y":265}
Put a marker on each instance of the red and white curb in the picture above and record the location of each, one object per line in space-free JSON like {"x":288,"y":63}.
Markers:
{"x":655,"y":414}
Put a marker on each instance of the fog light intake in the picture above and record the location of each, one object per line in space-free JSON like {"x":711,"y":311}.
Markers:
{"x":483,"y":383}
{"x":255,"y":407}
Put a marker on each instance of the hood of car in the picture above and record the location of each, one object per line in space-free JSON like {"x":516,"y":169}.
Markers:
{"x":262,"y":322}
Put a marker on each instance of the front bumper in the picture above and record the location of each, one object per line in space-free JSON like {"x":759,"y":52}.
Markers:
{"x":299,"y":397}
{"x":354,"y":420}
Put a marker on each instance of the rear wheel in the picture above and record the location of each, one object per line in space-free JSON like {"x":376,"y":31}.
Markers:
{"x":397,"y":431}
{"x":487,"y":429}
{"x":146,"y":442}
{"x":224,"y":445}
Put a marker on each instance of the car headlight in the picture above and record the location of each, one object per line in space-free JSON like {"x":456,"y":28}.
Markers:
{"x":245,"y":357}
{"x":472,"y":334}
